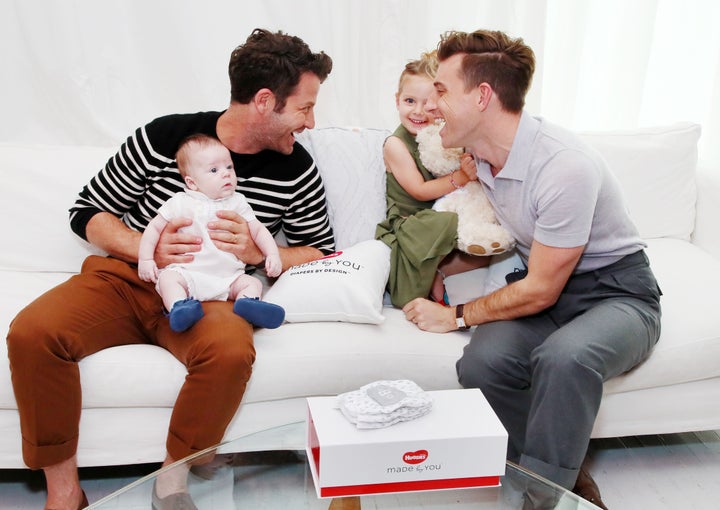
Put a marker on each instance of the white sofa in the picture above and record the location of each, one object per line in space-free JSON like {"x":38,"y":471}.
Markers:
{"x":128,"y":392}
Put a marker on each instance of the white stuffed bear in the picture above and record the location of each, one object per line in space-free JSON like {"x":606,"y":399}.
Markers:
{"x":479,"y":232}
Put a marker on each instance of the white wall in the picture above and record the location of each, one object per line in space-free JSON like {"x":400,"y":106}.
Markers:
{"x":90,"y":71}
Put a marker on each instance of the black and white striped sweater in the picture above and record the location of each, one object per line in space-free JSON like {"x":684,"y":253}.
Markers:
{"x":285,"y":191}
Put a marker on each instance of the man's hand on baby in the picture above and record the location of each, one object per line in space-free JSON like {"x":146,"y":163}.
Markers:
{"x":174,"y":246}
{"x":232,"y":234}
{"x":147,"y":270}
{"x":273,"y":265}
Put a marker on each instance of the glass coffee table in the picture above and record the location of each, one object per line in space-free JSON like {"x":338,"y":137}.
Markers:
{"x":282,"y":480}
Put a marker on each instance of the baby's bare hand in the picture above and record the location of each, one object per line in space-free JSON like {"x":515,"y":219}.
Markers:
{"x":147,"y":270}
{"x":273,"y":265}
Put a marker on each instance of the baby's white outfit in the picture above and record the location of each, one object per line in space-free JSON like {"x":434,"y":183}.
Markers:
{"x":384,"y":403}
{"x":213,"y":270}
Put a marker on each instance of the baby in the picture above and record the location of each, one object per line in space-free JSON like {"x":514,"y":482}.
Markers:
{"x":207,"y":169}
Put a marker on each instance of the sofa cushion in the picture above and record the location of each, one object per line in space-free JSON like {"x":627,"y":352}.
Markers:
{"x":689,"y":344}
{"x":656,"y":169}
{"x":49,"y":178}
{"x":351,"y":164}
{"x":319,"y":354}
{"x":294,"y":360}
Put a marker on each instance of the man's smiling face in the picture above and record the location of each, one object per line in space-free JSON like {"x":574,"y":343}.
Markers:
{"x":454,"y":104}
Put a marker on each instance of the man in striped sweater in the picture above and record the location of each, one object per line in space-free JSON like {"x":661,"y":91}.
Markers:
{"x":275,"y":79}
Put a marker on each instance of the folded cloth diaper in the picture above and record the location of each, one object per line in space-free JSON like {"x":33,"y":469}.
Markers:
{"x":384,"y":403}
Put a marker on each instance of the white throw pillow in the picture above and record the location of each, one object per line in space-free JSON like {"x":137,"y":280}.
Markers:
{"x":345,"y":286}
{"x":656,"y":169}
{"x":352,"y":168}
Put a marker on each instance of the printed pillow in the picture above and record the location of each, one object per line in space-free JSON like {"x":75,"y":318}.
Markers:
{"x":346,"y":286}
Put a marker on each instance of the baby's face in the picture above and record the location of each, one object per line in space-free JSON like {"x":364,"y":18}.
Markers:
{"x":211,"y":172}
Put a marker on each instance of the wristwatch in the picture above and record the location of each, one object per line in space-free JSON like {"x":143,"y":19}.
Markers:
{"x":459,"y":319}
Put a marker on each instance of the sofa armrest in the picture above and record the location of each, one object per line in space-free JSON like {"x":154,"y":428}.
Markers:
{"x":707,"y":234}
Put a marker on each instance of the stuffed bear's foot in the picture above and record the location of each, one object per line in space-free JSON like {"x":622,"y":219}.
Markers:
{"x":494,"y":249}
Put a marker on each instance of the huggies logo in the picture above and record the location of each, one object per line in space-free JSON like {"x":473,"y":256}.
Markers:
{"x":417,"y":457}
{"x":414,"y":463}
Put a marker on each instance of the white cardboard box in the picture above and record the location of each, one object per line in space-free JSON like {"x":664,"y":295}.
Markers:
{"x":459,"y":444}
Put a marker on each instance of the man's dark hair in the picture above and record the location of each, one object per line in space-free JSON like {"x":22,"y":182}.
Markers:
{"x":493,"y":57}
{"x":273,"y":60}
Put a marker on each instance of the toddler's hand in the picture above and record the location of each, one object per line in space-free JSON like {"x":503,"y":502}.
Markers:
{"x":273,"y":265}
{"x":147,"y":270}
{"x":467,"y":165}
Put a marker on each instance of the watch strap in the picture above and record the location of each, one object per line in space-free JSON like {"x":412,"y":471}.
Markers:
{"x":459,"y":319}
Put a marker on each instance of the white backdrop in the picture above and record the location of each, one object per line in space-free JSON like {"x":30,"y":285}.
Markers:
{"x":90,"y":71}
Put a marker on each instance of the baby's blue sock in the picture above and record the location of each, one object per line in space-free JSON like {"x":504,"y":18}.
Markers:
{"x":184,"y":314}
{"x":259,"y":313}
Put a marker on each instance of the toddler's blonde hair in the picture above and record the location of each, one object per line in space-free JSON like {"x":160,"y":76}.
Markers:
{"x":426,"y":66}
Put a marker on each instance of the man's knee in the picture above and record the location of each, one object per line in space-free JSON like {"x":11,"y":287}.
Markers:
{"x":557,"y":354}
{"x":27,"y":336}
{"x":224,"y":340}
{"x":479,"y":364}
{"x":470,"y":373}
{"x":498,"y":353}
{"x":232,"y":368}
{"x":228,"y":349}
{"x":237,"y":356}
{"x":569,"y":359}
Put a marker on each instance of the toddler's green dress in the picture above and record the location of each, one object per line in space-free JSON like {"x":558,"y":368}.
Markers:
{"x":419,"y":237}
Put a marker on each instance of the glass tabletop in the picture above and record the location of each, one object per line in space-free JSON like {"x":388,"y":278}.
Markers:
{"x":282,"y":480}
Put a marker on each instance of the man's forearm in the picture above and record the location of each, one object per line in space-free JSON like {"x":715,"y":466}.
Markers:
{"x":519,"y":299}
{"x":294,"y":255}
{"x":111,"y":235}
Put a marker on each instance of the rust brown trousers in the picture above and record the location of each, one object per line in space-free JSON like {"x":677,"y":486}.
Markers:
{"x":106,"y":305}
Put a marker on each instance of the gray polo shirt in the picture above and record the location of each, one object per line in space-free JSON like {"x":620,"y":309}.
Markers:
{"x":560,"y":192}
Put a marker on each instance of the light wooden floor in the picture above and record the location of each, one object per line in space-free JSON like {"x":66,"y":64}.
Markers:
{"x":672,"y":471}
{"x":666,"y":472}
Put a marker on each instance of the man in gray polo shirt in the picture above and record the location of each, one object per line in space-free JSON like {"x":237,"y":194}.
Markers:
{"x":588,"y":308}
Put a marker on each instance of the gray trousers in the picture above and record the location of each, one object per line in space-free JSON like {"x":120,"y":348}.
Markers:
{"x":543,"y":374}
